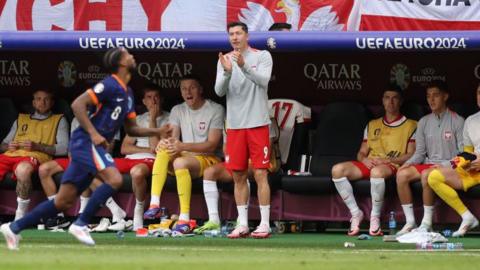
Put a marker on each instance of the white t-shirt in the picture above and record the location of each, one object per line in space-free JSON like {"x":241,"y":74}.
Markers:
{"x":143,"y":121}
{"x":288,"y":112}
{"x":471,"y":132}
{"x":196,"y":124}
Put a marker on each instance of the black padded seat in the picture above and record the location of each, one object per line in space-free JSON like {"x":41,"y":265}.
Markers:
{"x":309,"y":185}
{"x":413,"y":110}
{"x":9,"y":115}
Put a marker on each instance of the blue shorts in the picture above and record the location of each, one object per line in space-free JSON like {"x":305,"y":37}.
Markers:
{"x":86,"y":161}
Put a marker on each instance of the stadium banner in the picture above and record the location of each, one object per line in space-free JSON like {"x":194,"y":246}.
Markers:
{"x":170,"y":15}
{"x":400,"y":15}
{"x":318,"y":78}
{"x":215,"y":41}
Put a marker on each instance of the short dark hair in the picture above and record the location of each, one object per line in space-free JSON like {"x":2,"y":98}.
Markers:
{"x":191,"y":77}
{"x":111,"y":59}
{"x":440,"y":85}
{"x":241,"y":24}
{"x":151,"y":87}
{"x":44,"y":89}
{"x":393,"y":88}
{"x":280,"y":26}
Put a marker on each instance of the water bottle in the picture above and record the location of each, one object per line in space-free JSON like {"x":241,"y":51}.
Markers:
{"x":212,"y":233}
{"x":440,"y":246}
{"x":392,"y":223}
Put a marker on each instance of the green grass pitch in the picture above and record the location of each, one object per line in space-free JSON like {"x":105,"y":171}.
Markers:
{"x":52,"y":251}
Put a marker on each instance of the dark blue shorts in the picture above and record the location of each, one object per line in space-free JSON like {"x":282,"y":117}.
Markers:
{"x":86,"y":161}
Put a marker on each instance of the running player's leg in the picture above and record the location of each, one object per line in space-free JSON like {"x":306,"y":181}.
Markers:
{"x":49,"y":208}
{"x":342,"y":173}
{"x":118,"y":214}
{"x":378,"y":174}
{"x":405,"y":176}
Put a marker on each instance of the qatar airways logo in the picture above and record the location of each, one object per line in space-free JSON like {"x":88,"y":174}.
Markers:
{"x":164,"y":74}
{"x":15,"y":73}
{"x":334,"y":76}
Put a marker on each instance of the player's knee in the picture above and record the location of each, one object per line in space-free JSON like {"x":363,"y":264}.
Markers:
{"x":403,"y":176}
{"x":338,"y":170}
{"x":210,"y":173}
{"x":435,"y":177}
{"x":24,"y":171}
{"x":180,"y":163}
{"x":261,"y":176}
{"x":138,"y":174}
{"x":424,"y":178}
{"x":378,"y":172}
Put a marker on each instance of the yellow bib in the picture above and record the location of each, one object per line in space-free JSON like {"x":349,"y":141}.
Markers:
{"x":38,"y":131}
{"x":387,"y":141}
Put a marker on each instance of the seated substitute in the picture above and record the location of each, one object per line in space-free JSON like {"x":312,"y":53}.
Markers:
{"x":33,"y":139}
{"x":199,"y":123}
{"x":387,"y":143}
{"x":462,"y":175}
{"x":438,"y":139}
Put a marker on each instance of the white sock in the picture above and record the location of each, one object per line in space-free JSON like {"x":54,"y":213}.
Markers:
{"x":427,"y":215}
{"x":184,"y":217}
{"x":345,"y":190}
{"x":242,"y":215}
{"x":409,"y":215}
{"x":210,"y":192}
{"x":51,"y":198}
{"x":265,"y":215}
{"x":155,"y":200}
{"x":117,"y":212}
{"x":22,"y":207}
{"x":467,"y":215}
{"x":377,"y":190}
{"x":138,"y":215}
{"x":83,"y":203}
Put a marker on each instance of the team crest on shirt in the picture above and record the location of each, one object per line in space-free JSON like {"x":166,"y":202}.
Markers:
{"x":98,"y":88}
{"x":202,"y":126}
{"x":376,"y":132}
{"x":448,"y":135}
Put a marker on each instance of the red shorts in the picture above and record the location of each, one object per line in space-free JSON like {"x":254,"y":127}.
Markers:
{"x":9,"y":164}
{"x":124,"y":165}
{"x":421,"y":167}
{"x":63,"y":162}
{"x":242,"y":144}
{"x":366,"y":171}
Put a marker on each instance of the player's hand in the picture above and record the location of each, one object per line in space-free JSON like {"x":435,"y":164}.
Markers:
{"x":368,"y":163}
{"x":238,"y":57}
{"x":162,"y":145}
{"x":165,"y":131}
{"x":154,"y":112}
{"x":27,"y":145}
{"x":404,"y":166}
{"x":225,"y":61}
{"x":12,"y":146}
{"x":380,"y":161}
{"x":474,"y":166}
{"x":98,"y":139}
{"x":175,"y":147}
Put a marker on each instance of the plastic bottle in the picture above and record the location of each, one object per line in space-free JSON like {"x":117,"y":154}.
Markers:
{"x":392,"y":223}
{"x":440,"y":246}
{"x":212,"y":233}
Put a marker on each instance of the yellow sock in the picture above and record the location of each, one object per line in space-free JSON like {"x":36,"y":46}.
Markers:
{"x":184,"y":188}
{"x":159,"y":172}
{"x":436,"y":180}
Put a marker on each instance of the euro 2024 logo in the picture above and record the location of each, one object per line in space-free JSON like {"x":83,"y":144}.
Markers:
{"x":67,"y":74}
{"x":400,"y":75}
